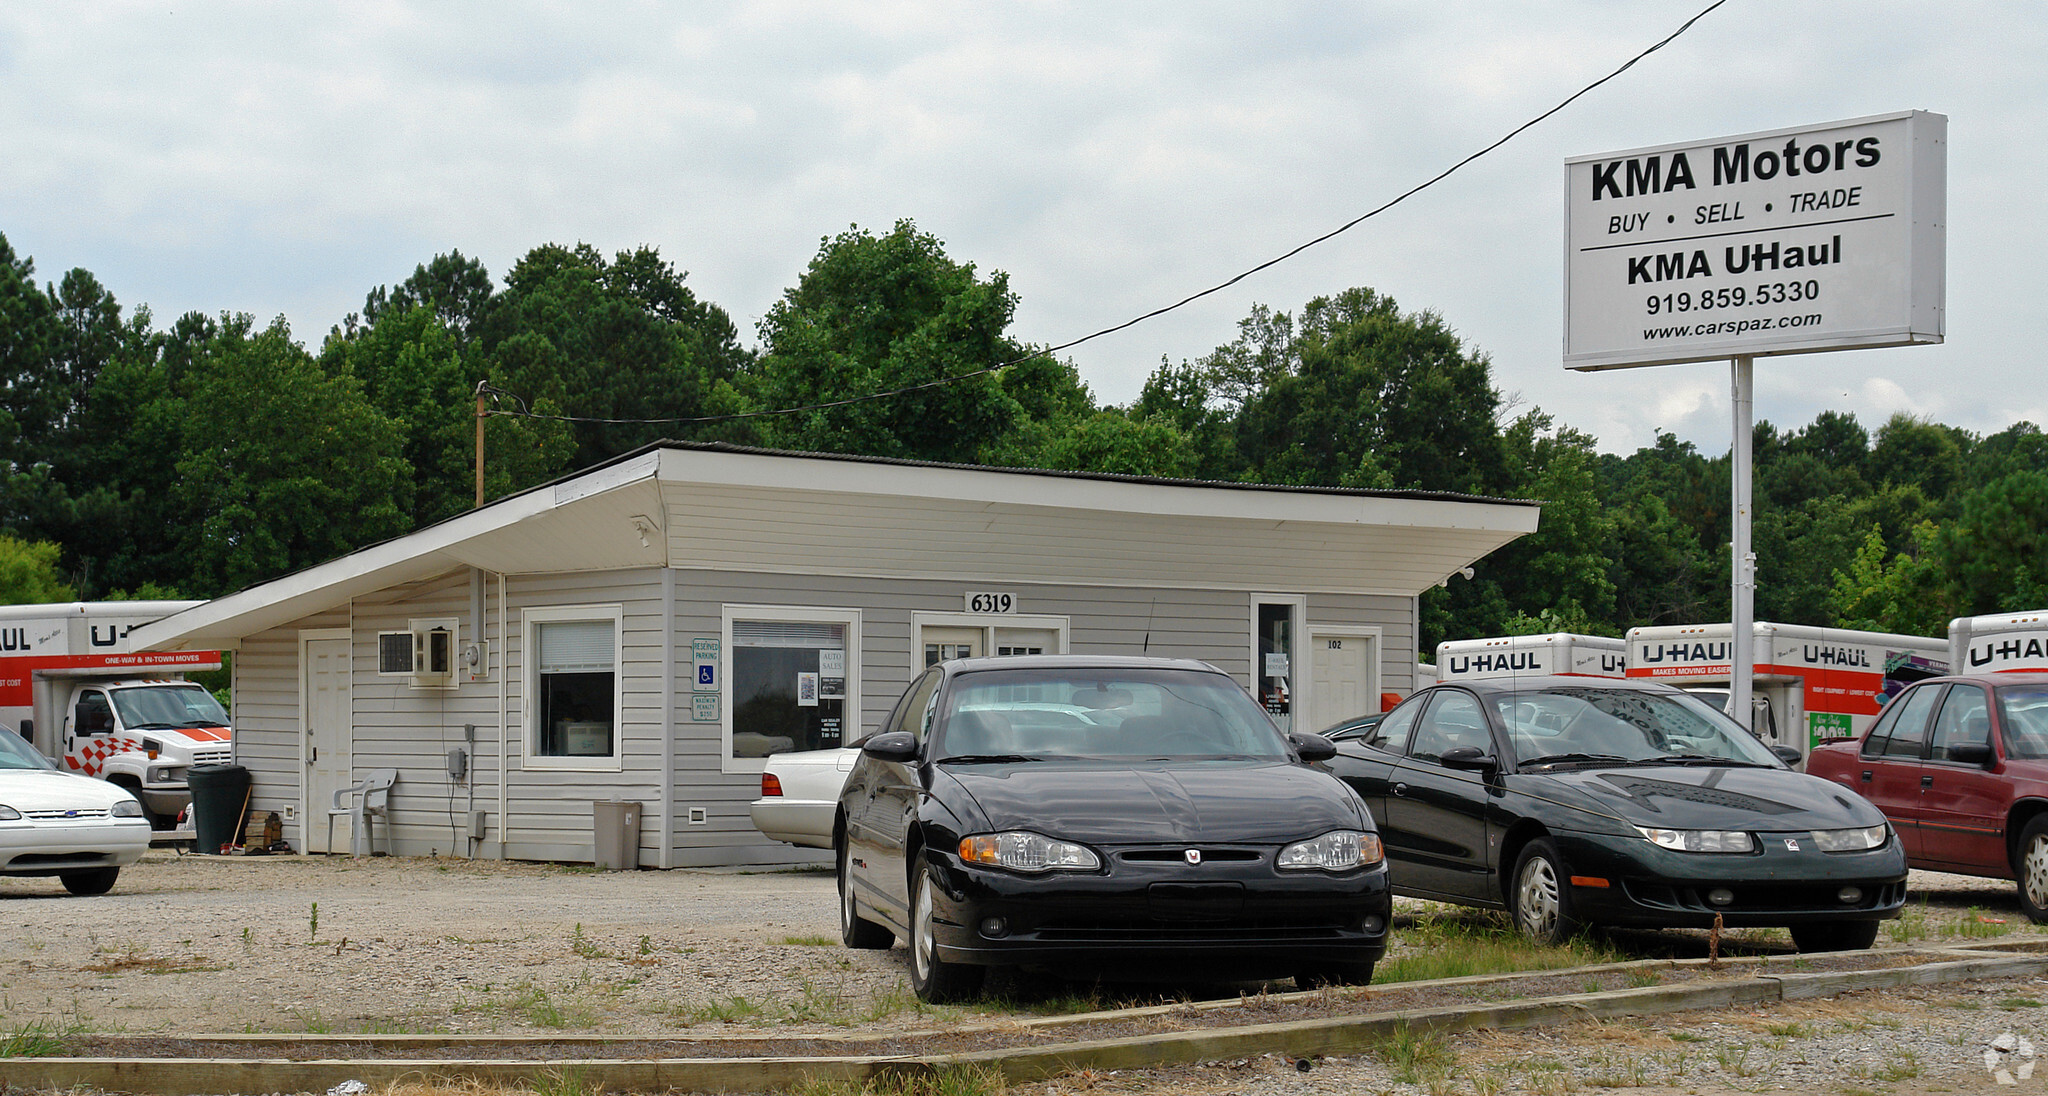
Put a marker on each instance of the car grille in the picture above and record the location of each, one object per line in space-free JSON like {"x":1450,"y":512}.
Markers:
{"x":67,"y":815}
{"x":1766,"y":897}
{"x":1179,"y":855}
{"x":221,"y":756}
{"x":1152,"y":931}
{"x":56,"y":859}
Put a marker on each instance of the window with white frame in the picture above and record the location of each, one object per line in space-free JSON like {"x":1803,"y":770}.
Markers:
{"x":791,"y":681}
{"x":573,"y":687}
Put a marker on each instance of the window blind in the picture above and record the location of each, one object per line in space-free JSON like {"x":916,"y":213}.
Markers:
{"x":571,"y":646}
{"x":788,"y":633}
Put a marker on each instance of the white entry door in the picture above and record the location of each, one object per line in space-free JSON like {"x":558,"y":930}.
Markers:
{"x":1345,"y":678}
{"x":329,"y":755}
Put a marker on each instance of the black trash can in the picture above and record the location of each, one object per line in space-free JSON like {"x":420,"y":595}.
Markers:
{"x":220,"y":805}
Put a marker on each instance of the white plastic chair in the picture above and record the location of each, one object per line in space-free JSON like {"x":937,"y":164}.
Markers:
{"x":375,"y":791}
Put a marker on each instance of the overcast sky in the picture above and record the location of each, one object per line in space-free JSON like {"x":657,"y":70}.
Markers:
{"x":284,"y":158}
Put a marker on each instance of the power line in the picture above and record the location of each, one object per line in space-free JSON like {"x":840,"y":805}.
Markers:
{"x":1161,"y":311}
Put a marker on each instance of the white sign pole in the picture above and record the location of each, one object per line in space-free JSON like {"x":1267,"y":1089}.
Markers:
{"x":1742,"y":637}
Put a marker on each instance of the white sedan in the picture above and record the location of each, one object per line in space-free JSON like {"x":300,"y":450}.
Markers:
{"x":800,"y":793}
{"x":81,"y":830}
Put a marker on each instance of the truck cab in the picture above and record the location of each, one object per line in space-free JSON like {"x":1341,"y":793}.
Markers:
{"x":143,"y":734}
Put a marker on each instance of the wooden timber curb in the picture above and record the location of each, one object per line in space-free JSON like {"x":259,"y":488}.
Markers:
{"x":1296,"y":1038}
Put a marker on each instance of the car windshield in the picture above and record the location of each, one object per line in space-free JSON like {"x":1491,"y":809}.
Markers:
{"x":182,"y":705}
{"x":1567,"y":723}
{"x":1068,"y":712}
{"x":2024,"y":711}
{"x":17,"y":754}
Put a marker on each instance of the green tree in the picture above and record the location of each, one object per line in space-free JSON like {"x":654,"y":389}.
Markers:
{"x":1909,"y":594}
{"x":1370,"y":397}
{"x":622,"y":345}
{"x":28,"y":572}
{"x":279,"y":464}
{"x":1997,"y":549}
{"x":881,"y":314}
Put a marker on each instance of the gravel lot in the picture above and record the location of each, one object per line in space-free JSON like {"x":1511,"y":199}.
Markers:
{"x":295,"y":944}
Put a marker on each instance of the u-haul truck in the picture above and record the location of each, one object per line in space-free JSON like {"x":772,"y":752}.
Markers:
{"x":2002,"y":643}
{"x":70,"y":685}
{"x":1523,"y":656}
{"x":1810,"y":683}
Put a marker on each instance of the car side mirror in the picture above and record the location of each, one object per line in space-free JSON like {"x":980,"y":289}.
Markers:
{"x":1970,"y":753}
{"x":896,"y":746}
{"x":1468,"y":759}
{"x":1790,"y":755}
{"x":1312,"y":747}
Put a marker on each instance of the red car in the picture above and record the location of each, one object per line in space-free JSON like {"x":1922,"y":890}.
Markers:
{"x":1960,"y":766}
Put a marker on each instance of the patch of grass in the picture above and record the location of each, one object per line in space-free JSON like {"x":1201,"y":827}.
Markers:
{"x":947,"y":1081}
{"x":1645,"y":977}
{"x":1903,"y":1066}
{"x":730,"y":1010}
{"x":1791,"y":1030}
{"x":809,"y":941}
{"x":37,"y":1040}
{"x":1458,"y":943}
{"x":569,"y":1082}
{"x":542,"y":1009}
{"x":584,"y":946}
{"x":2018,"y":1003}
{"x":1415,"y":1054}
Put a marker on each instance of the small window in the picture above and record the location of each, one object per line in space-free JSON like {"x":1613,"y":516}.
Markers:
{"x":573,"y":659}
{"x":790,"y":680}
{"x":1454,"y":720}
{"x":1392,"y":733}
{"x":1909,"y":732}
{"x":1965,"y":720}
{"x":95,"y":716}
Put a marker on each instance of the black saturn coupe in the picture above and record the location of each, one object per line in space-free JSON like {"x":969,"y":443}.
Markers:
{"x":1125,"y":816}
{"x":1573,"y":801}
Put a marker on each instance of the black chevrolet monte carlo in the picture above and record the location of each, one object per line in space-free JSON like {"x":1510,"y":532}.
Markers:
{"x":1574,"y":801}
{"x":1134,"y":816}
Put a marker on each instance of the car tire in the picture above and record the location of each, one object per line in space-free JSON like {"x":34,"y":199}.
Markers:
{"x":1835,"y":936}
{"x":91,"y":882}
{"x":1540,"y":895}
{"x":935,"y":981}
{"x":2030,"y":868}
{"x":1333,"y":974}
{"x":857,"y":931}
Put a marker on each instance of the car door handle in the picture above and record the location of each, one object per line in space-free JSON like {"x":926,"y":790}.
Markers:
{"x":1866,"y":776}
{"x":1400,"y":789}
{"x":1926,"y":781}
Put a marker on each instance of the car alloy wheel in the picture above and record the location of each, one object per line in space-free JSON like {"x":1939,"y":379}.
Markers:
{"x":1542,"y":905}
{"x":854,"y":930}
{"x":935,"y":980}
{"x":2033,"y":868}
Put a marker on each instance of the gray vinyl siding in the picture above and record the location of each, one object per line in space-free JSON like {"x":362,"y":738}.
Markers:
{"x":547,"y":814}
{"x":1209,"y":625}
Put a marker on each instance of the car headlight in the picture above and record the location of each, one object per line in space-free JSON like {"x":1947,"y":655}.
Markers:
{"x":166,"y":774}
{"x":1701,"y":840}
{"x":1022,"y":850}
{"x":9,"y":814}
{"x":1338,"y":850}
{"x":1856,"y":840}
{"x":127,"y":808}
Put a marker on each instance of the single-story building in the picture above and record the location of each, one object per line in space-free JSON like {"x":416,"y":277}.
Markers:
{"x":651,"y":628}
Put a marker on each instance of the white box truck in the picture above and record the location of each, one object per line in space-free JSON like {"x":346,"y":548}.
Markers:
{"x":1562,"y":653}
{"x":2002,"y":643}
{"x":1810,"y":683}
{"x":71,"y":687}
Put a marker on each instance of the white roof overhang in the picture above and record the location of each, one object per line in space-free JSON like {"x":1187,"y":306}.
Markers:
{"x":725,"y":508}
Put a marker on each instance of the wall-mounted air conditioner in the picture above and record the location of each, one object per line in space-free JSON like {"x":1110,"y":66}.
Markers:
{"x":425,"y":654}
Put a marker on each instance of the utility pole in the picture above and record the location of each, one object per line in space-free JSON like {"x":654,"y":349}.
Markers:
{"x":480,"y":387}
{"x":1742,"y":629}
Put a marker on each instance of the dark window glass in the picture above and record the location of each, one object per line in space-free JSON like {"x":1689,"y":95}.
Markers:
{"x":1392,"y":733}
{"x":1454,"y":720}
{"x":1909,"y":734}
{"x":1965,"y":719}
{"x":2023,"y":715}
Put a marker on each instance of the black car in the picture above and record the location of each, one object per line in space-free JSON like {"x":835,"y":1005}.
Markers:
{"x":1358,"y":726}
{"x":1572,"y":801}
{"x":1118,"y":815}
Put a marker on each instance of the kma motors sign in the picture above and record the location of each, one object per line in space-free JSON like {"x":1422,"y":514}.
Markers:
{"x":1828,"y":237}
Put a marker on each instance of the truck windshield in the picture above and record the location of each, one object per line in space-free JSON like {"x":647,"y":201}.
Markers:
{"x":179,"y":704}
